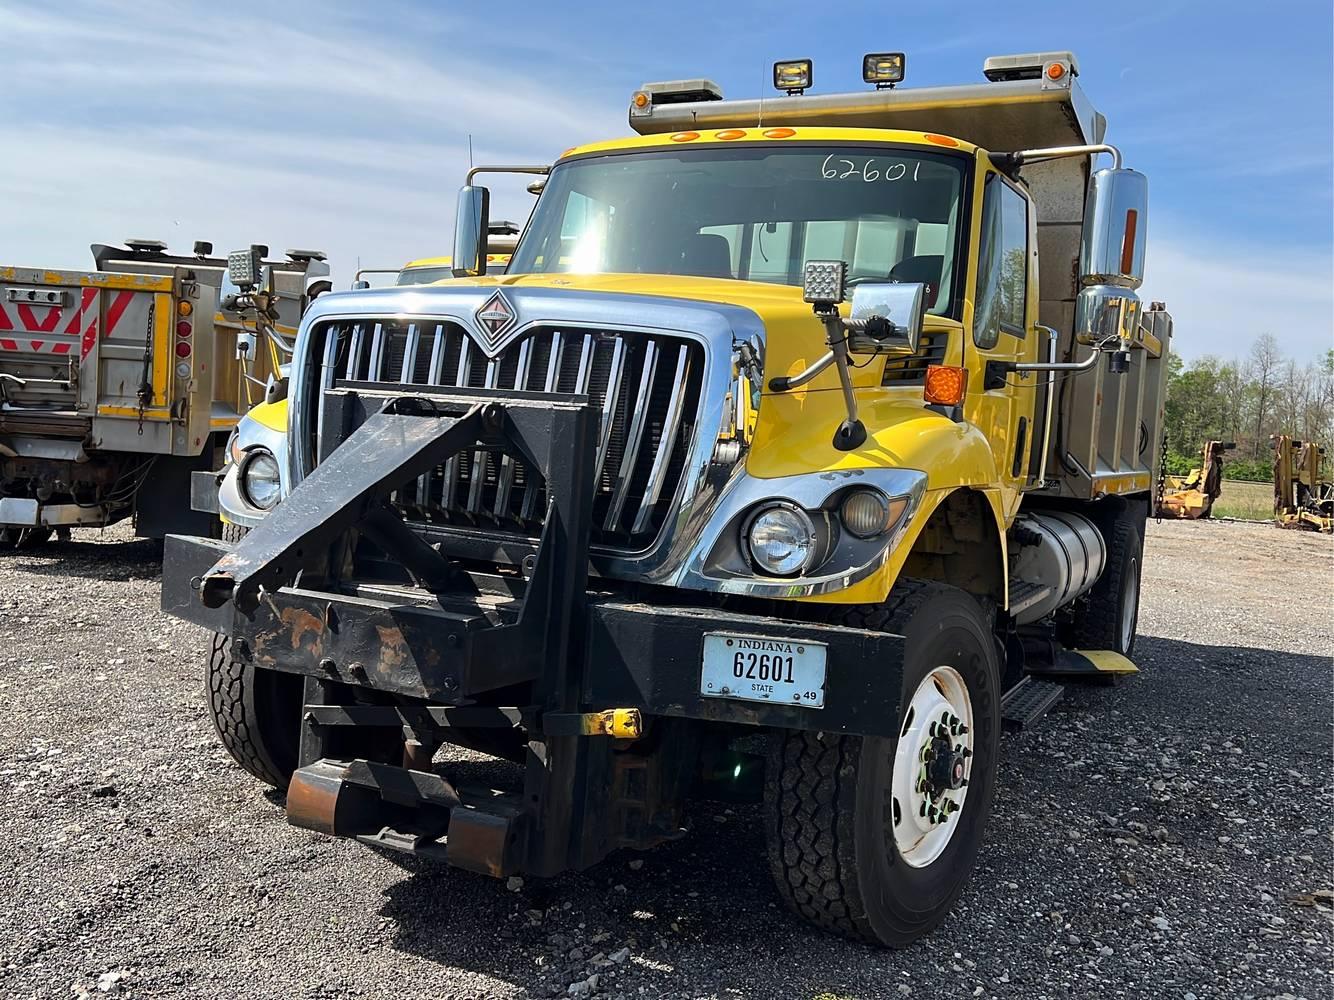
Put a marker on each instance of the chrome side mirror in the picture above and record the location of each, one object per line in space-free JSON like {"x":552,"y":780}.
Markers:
{"x":886,"y":317}
{"x":1115,"y":222}
{"x":470,"y":228}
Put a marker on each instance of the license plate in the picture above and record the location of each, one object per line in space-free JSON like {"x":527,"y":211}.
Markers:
{"x":758,"y":668}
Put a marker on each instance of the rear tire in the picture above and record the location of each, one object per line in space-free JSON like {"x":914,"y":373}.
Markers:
{"x":835,"y":808}
{"x":1108,"y":616}
{"x":257,"y":714}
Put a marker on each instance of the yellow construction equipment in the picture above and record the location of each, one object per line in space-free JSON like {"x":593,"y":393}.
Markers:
{"x":1301,"y":498}
{"x":1192,"y":496}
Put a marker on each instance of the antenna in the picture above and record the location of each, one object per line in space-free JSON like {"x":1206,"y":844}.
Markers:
{"x":470,"y":163}
{"x":760,"y":123}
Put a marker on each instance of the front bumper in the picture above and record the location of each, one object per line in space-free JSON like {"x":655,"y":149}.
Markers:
{"x":631,"y":654}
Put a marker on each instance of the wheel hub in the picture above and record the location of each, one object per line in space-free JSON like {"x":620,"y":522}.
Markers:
{"x":932,"y":761}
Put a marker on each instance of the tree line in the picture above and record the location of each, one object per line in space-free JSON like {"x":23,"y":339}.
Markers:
{"x":1245,"y":401}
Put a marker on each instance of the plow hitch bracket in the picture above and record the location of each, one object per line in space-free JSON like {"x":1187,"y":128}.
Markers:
{"x":350,"y":489}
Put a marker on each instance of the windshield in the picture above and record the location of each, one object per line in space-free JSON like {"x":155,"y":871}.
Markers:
{"x":754,"y":213}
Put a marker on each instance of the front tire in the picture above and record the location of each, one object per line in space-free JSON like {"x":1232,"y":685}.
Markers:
{"x":848,"y":848}
{"x":257,"y":714}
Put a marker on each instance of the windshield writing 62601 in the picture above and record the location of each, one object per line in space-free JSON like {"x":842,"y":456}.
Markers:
{"x":840,"y":168}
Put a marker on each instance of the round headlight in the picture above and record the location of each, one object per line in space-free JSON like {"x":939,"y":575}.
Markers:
{"x":259,"y":479}
{"x":865,"y":513}
{"x":781,"y":540}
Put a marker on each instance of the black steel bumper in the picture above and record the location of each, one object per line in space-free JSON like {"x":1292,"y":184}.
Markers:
{"x":633,"y":655}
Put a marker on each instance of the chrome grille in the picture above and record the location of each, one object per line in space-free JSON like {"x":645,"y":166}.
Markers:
{"x":646,"y":388}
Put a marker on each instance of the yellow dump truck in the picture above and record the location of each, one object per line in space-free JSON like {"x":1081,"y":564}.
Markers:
{"x":802,"y":441}
{"x":117,"y":383}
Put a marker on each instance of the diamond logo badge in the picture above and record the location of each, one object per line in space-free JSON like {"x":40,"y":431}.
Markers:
{"x":495,"y":318}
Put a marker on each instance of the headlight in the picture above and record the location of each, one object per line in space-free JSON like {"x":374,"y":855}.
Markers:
{"x":781,"y":540}
{"x":868,"y":513}
{"x":259,"y":479}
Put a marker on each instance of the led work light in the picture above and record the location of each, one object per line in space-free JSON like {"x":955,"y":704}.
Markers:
{"x":793,"y":76}
{"x":884,"y":69}
{"x":823,"y":280}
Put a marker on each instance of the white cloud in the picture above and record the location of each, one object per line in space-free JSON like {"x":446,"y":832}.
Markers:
{"x":172,"y":122}
{"x":1223,"y":296}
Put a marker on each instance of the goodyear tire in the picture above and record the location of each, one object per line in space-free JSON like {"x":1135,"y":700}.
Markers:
{"x":1108,"y":616}
{"x":841,"y":824}
{"x":257,"y":714}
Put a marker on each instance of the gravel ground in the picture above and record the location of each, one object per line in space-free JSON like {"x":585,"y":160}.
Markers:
{"x":1159,"y":838}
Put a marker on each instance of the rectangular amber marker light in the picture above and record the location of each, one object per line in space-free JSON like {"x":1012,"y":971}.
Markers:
{"x":884,"y":69}
{"x":793,"y":76}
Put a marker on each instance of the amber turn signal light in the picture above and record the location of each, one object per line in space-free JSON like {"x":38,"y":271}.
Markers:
{"x":945,"y":385}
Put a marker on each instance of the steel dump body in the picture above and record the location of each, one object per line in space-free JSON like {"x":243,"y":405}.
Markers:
{"x":119,"y":377}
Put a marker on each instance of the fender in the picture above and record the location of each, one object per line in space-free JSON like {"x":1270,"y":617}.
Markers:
{"x":795,"y":435}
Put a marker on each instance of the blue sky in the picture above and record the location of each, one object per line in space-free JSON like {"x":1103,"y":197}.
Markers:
{"x":345,"y":126}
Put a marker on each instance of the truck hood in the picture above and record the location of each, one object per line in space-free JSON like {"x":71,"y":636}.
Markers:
{"x":795,"y":338}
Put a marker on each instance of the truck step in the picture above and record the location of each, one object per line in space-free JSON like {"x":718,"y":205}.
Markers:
{"x":1027,"y":702}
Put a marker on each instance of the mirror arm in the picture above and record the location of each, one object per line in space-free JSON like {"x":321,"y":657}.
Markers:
{"x":531,"y":169}
{"x":782,"y":383}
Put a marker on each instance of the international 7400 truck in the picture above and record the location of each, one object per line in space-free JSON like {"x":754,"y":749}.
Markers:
{"x":801,"y":442}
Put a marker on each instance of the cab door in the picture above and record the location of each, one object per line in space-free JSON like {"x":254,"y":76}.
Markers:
{"x":1005,"y":306}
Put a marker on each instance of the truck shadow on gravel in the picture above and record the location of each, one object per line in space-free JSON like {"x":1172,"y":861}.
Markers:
{"x":136,"y":559}
{"x":700,"y":914}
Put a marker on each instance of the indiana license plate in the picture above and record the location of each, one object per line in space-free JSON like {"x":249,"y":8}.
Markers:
{"x":757,"y":668}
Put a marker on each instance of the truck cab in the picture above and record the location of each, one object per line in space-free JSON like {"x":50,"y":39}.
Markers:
{"x":773,"y":466}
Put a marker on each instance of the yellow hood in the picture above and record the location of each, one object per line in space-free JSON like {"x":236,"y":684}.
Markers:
{"x":794,"y":337}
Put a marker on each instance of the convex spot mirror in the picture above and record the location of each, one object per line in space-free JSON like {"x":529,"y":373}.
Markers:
{"x":886,"y":317}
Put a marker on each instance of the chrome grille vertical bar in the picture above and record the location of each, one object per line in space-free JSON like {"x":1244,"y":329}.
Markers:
{"x":353,"y":353}
{"x":333,"y":334}
{"x":505,"y":477}
{"x":410,"y":354}
{"x":432,"y":378}
{"x":632,"y":440}
{"x":436,"y":371}
{"x":550,"y":385}
{"x":479,"y":457}
{"x":452,"y":463}
{"x":670,"y":423}
{"x":609,"y":406}
{"x":585,"y":365}
{"x":377,"y":353}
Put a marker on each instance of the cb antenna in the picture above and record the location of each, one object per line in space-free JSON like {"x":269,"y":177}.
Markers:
{"x":470,"y":163}
{"x":760,"y":123}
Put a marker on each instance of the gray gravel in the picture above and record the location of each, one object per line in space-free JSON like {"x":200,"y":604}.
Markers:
{"x":1169,"y":837}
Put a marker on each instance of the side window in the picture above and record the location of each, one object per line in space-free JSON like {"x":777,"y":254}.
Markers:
{"x":1002,"y":279}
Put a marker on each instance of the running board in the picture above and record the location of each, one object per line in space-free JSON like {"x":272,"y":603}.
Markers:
{"x":1027,"y":702}
{"x":1085,"y":664}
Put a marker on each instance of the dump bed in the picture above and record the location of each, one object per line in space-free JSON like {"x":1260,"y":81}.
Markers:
{"x":120,"y":362}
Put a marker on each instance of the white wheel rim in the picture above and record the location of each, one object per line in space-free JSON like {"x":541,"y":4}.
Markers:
{"x":1129,"y":605}
{"x":926,"y":809}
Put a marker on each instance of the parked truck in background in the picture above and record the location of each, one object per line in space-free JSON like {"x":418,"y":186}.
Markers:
{"x":800,"y":441}
{"x":117,"y":383}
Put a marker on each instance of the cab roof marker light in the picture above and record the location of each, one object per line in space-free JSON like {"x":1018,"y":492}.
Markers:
{"x":649,"y":95}
{"x":684,"y":136}
{"x":793,"y":76}
{"x":779,"y":133}
{"x":884,"y":69}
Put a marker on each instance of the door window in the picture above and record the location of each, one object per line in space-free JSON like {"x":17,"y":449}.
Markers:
{"x":1002,"y":280}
